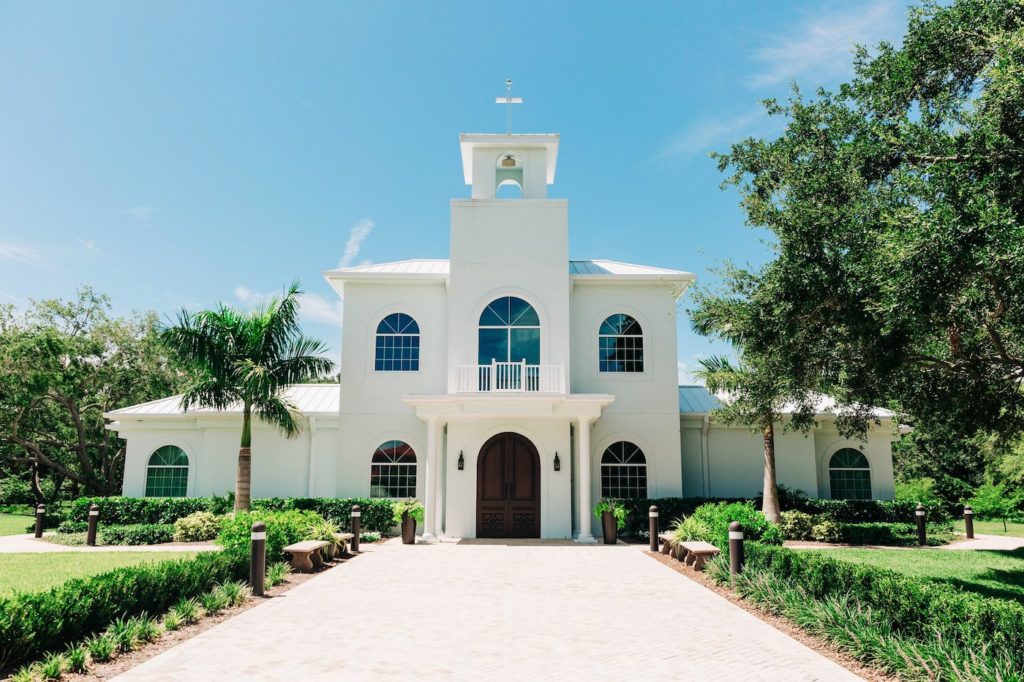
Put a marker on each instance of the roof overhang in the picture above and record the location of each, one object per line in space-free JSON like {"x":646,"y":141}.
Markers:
{"x":679,"y":283}
{"x":338,"y":278}
{"x":470,"y":141}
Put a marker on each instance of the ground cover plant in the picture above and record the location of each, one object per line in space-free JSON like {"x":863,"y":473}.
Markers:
{"x":913,"y":626}
{"x":36,"y":623}
{"x":991,"y":573}
{"x":45,"y":570}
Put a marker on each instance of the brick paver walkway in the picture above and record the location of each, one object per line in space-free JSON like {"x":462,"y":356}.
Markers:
{"x":494,"y":612}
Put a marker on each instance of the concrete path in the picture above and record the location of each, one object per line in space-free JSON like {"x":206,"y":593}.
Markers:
{"x":29,"y":544}
{"x":997,"y":542}
{"x":494,"y":612}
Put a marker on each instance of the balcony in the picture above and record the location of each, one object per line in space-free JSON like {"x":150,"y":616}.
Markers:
{"x":510,"y":377}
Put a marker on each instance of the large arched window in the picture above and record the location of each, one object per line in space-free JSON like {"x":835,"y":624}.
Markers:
{"x":393,"y":471}
{"x":167,"y":473}
{"x":510,"y":332}
{"x":623,"y":471}
{"x":398,"y":344}
{"x":849,"y":475}
{"x":620,"y":345}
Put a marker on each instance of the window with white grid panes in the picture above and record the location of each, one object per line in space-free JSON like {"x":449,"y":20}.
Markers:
{"x":167,"y":472}
{"x":393,"y":471}
{"x":398,"y":344}
{"x":620,"y":345}
{"x":623,"y":471}
{"x":849,"y":475}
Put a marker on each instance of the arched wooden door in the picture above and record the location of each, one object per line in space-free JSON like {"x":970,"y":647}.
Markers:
{"x":508,"y":488}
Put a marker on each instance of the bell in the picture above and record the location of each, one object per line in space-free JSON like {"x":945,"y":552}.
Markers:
{"x":508,"y":162}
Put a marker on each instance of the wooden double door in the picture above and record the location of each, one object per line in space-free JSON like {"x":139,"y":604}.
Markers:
{"x":508,"y":488}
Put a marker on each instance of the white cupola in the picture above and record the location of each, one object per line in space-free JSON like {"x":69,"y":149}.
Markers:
{"x":525,"y":162}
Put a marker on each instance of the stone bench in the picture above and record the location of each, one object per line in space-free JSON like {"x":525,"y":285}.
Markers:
{"x":306,"y":555}
{"x":668,"y":543}
{"x":696,"y":553}
{"x":343,"y":541}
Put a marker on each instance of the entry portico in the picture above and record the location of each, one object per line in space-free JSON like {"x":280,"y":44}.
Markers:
{"x":547,"y":421}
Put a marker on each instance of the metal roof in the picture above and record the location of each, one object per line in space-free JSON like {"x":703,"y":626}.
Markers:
{"x":607,"y":268}
{"x":309,"y":399}
{"x":697,"y":400}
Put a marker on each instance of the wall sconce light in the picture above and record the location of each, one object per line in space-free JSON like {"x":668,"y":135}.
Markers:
{"x":462,"y":461}
{"x":558,"y":462}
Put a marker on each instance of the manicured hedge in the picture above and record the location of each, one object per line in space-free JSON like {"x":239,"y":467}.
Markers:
{"x":895,"y":534}
{"x":35,"y":623}
{"x":916,"y":607}
{"x":377,"y":514}
{"x":137,"y":534}
{"x":841,"y":511}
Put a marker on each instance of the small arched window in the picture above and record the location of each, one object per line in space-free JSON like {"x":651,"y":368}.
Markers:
{"x":849,"y":475}
{"x":623,"y":471}
{"x":393,"y":471}
{"x":167,"y":472}
{"x":620,"y":345}
{"x":398,"y":344}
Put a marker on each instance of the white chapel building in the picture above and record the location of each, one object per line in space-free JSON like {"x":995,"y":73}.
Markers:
{"x":508,"y":387}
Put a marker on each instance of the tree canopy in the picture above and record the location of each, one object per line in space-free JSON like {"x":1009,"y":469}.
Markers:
{"x":895,"y":209}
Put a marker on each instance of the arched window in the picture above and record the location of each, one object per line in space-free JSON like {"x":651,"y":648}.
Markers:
{"x":620,"y":345}
{"x":393,"y":471}
{"x":623,"y":471}
{"x":510,"y":332}
{"x":398,"y":344}
{"x":849,"y":475}
{"x":167,"y":473}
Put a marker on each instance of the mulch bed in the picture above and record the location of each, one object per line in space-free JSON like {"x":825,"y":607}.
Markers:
{"x":167,"y":640}
{"x":822,"y":646}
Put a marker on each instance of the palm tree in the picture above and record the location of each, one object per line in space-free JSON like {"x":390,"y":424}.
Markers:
{"x":248,"y":359}
{"x":752,"y":398}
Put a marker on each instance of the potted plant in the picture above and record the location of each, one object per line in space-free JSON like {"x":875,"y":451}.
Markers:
{"x":613,"y":518}
{"x":326,"y":530}
{"x":407,"y":514}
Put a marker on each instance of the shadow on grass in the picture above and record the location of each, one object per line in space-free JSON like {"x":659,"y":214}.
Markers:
{"x":1002,"y":583}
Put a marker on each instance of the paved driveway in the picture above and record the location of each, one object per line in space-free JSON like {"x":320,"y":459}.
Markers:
{"x":490,"y":612}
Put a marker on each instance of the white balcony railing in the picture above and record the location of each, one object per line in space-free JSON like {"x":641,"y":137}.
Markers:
{"x":510,"y":377}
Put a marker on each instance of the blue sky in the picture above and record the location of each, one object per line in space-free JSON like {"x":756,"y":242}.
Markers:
{"x":178,"y":154}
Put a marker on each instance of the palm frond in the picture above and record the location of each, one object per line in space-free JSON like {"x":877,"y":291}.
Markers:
{"x":275,"y":410}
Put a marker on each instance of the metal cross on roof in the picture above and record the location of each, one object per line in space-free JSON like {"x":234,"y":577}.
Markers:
{"x":508,"y":100}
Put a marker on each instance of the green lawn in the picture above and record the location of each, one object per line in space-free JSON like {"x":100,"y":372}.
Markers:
{"x":35,"y":572}
{"x":996,"y":574}
{"x":11,"y":524}
{"x":992,"y":528}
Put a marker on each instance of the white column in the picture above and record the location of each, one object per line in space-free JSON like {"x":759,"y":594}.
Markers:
{"x":585,"y":512}
{"x":430,"y":494}
{"x":439,"y":482}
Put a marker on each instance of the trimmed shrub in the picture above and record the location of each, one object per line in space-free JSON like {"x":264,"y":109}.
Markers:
{"x":710,"y":522}
{"x":797,"y":525}
{"x":896,"y":534}
{"x":827,"y":531}
{"x":377,"y":513}
{"x":196,"y":527}
{"x":36,"y":623}
{"x":73,"y":527}
{"x":916,"y":607}
{"x":283,"y":529}
{"x":137,"y":534}
{"x":123,"y":511}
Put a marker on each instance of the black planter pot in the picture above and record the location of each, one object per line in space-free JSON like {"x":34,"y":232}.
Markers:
{"x":609,"y":528}
{"x":408,"y":529}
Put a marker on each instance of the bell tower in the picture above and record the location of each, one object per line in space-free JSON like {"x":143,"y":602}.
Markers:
{"x":526,"y":162}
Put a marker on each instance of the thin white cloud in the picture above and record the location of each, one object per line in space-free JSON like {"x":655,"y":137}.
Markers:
{"x":20,"y":253}
{"x":89,"y":244}
{"x":710,"y":134}
{"x":822,"y":45}
{"x":312,"y":307}
{"x":140,"y":213}
{"x":359,"y":232}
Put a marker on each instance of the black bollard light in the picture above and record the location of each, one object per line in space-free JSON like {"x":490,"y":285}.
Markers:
{"x":736,"y":559}
{"x":357,"y":522}
{"x":94,"y":519}
{"x":654,"y":528}
{"x":922,"y":532}
{"x":258,"y":558}
{"x":40,"y":517}
{"x":969,"y":522}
